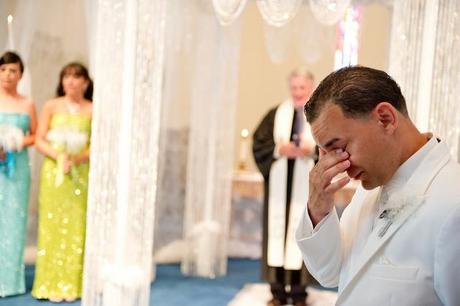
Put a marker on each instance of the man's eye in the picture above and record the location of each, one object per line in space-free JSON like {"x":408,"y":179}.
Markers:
{"x":335,"y":148}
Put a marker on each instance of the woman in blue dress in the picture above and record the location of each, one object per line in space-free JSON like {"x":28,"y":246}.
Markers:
{"x":18,"y":123}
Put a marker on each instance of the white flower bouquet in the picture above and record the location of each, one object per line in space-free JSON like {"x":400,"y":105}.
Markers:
{"x":72,"y":140}
{"x":11,"y":138}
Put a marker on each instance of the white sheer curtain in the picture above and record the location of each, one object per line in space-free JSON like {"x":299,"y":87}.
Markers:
{"x":328,"y":12}
{"x":228,"y":11}
{"x":124,"y":150}
{"x":444,"y":117}
{"x":91,"y":30}
{"x":173,"y":148}
{"x":303,"y":34}
{"x":314,"y":39}
{"x":424,"y":60}
{"x":278,"y":41}
{"x":278,"y":12}
{"x":210,"y":153}
{"x":23,"y":26}
{"x":406,"y":49}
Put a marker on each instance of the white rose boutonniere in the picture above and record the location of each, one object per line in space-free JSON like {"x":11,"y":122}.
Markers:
{"x":394,"y":209}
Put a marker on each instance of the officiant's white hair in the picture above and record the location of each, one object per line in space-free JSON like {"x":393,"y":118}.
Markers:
{"x":301,"y":72}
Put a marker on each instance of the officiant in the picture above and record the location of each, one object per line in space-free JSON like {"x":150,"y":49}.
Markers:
{"x":283,"y":150}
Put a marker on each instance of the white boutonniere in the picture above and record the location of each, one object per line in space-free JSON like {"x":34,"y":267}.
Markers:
{"x":393,"y":210}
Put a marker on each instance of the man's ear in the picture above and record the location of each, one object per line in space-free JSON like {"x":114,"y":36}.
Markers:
{"x":387,"y":117}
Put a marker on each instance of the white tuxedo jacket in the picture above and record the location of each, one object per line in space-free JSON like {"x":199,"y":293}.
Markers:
{"x":415,"y":263}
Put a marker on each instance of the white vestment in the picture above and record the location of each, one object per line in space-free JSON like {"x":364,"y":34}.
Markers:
{"x":283,"y":252}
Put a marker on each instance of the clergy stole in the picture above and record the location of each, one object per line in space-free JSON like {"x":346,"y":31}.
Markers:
{"x":283,"y":253}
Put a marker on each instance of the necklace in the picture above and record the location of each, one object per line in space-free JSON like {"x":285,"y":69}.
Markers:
{"x":72,"y":108}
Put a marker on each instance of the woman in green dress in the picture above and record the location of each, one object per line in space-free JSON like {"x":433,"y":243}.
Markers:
{"x":18,"y":123}
{"x":63,"y":137}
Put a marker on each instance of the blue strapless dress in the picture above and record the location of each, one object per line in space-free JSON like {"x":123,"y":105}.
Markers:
{"x":14,"y":200}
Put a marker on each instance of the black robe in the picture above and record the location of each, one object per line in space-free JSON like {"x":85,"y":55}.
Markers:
{"x":263,"y":147}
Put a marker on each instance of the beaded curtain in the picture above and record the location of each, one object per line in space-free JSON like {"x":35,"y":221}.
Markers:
{"x":425,"y":43}
{"x":210,"y":149}
{"x":129,"y":61}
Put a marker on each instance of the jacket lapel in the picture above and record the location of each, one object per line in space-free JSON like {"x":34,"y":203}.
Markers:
{"x":411,"y":198}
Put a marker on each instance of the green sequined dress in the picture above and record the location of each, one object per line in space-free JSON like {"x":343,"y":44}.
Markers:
{"x":62,"y":219}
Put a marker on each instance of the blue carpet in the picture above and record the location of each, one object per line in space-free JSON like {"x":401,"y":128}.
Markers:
{"x":172,"y":288}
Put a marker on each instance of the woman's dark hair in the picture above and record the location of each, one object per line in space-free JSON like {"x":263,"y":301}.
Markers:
{"x":356,"y":90}
{"x":79,"y":70}
{"x":10,"y":57}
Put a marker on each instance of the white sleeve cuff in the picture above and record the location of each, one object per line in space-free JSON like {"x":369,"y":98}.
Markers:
{"x":321,"y":248}
{"x":276,"y":152}
{"x":306,"y":229}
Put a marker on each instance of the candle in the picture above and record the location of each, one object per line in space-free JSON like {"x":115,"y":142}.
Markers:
{"x":10,"y":33}
{"x":243,"y":149}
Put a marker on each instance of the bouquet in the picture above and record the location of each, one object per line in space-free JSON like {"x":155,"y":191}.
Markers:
{"x":72,"y":141}
{"x":11,"y":140}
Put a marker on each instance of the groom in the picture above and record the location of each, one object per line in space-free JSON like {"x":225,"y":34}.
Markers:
{"x":398,"y":241}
